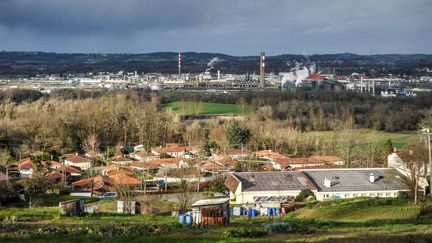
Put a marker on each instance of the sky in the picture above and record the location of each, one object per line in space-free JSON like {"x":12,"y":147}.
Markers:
{"x":236,"y":27}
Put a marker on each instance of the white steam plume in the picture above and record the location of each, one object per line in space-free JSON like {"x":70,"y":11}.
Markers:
{"x":211,"y":63}
{"x":298,"y":74}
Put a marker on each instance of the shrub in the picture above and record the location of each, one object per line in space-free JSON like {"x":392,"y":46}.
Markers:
{"x":52,"y":230}
{"x":278,"y":227}
{"x":244,"y":232}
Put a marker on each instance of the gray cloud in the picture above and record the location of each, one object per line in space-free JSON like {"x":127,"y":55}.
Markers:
{"x":231,"y":26}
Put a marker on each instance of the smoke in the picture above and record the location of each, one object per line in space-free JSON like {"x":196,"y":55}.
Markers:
{"x":298,"y":74}
{"x":211,"y":63}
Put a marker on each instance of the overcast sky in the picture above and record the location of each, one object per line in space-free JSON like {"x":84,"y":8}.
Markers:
{"x":237,"y":27}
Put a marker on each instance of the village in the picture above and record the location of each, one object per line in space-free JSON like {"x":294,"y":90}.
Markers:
{"x":251,"y":182}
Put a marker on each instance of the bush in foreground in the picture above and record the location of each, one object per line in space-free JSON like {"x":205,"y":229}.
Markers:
{"x":244,"y":232}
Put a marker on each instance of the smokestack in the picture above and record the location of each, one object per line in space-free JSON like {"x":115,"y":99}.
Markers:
{"x":361,"y":83}
{"x":179,"y":64}
{"x":261,"y":83}
{"x":218,"y":74}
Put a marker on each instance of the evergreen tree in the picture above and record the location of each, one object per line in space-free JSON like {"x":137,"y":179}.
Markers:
{"x":237,"y":135}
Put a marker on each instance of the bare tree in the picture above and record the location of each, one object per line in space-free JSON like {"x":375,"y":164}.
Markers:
{"x":414,"y":156}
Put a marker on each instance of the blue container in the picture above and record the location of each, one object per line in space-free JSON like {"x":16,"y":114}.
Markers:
{"x":244,"y":211}
{"x":276,"y":211}
{"x":231,"y":212}
{"x":181,"y":218}
{"x":188,"y":219}
{"x":269,"y":211}
{"x":252,"y":212}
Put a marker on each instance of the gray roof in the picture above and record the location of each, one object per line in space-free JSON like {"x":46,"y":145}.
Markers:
{"x":356,"y":179}
{"x":211,"y":201}
{"x":273,"y":181}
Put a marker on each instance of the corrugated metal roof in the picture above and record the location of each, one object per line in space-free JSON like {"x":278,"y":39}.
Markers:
{"x":273,"y":181}
{"x":356,"y":179}
{"x":212,"y":201}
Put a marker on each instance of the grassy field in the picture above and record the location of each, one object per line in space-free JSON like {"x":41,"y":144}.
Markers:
{"x":203,"y":108}
{"x":366,"y":136}
{"x":361,"y":219}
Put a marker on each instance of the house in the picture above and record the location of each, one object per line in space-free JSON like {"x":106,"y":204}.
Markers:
{"x":210,"y":166}
{"x":143,"y":156}
{"x":77,"y":161}
{"x":26,"y":167}
{"x":175,"y":151}
{"x":359,"y":182}
{"x":236,"y":153}
{"x":70,"y":171}
{"x":169,"y":163}
{"x":112,"y":169}
{"x":121,"y":160}
{"x":247,"y":187}
{"x":100,"y":184}
{"x":268,"y":154}
{"x":313,"y":161}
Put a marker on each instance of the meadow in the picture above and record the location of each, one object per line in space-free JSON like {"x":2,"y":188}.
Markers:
{"x":203,"y":108}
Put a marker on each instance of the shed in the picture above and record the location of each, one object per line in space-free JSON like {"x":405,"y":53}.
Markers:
{"x":213,"y":211}
{"x":73,"y":207}
{"x":128,"y":207}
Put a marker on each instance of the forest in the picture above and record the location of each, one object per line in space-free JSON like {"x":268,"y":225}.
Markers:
{"x":77,"y":120}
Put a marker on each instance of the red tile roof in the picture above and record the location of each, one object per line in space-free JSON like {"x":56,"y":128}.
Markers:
{"x":120,"y":159}
{"x":54,"y":175}
{"x":26,"y":164}
{"x":326,"y":159}
{"x":223,"y":160}
{"x":123,"y":179}
{"x":75,"y":158}
{"x":69,"y":169}
{"x":166,"y":161}
{"x":174,"y":149}
{"x":269,"y":154}
{"x":209,"y":166}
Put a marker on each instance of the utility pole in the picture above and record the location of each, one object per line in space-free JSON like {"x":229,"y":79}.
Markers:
{"x":427,"y":132}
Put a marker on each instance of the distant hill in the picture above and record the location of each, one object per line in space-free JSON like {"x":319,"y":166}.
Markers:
{"x":31,"y":63}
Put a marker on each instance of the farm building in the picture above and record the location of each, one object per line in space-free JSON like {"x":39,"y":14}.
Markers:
{"x":351,"y":183}
{"x":72,"y":207}
{"x":211,"y":211}
{"x":247,"y":187}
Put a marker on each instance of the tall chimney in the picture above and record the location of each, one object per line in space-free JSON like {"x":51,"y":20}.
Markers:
{"x":371,"y":178}
{"x":262,"y":71}
{"x":218,"y":74}
{"x":179,"y":64}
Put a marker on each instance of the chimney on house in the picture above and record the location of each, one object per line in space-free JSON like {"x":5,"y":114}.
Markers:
{"x":371,"y":178}
{"x":327,"y":182}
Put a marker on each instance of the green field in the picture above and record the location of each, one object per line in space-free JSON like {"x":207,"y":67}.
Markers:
{"x":203,"y":108}
{"x":361,"y":219}
{"x":366,"y":136}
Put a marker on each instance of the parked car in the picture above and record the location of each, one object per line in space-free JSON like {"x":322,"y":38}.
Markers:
{"x":107,"y":195}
